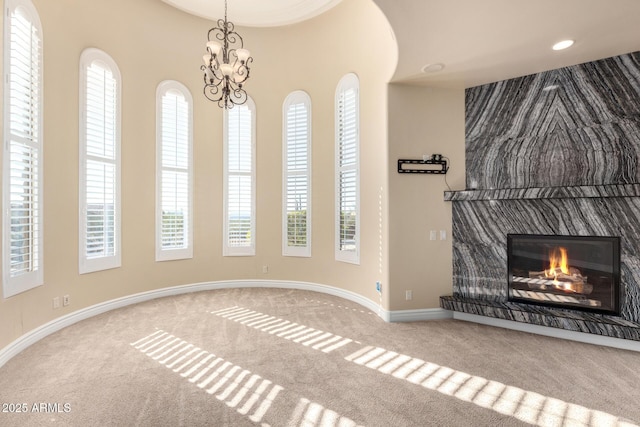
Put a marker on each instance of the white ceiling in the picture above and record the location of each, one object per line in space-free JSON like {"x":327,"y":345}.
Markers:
{"x":477,"y":41}
{"x":482,"y":41}
{"x":256,"y":13}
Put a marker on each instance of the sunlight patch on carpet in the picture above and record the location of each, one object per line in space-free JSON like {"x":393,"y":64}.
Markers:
{"x":527,"y":406}
{"x":309,"y":413}
{"x":251,"y":395}
{"x":309,"y":337}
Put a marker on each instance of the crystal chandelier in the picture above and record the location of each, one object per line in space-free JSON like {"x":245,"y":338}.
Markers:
{"x":226,"y":65}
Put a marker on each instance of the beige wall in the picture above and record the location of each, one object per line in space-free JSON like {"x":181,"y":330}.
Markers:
{"x":151,"y":42}
{"x":422,"y":121}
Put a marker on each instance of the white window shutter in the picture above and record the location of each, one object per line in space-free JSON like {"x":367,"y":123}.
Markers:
{"x":239,"y":171}
{"x":99,"y":163}
{"x":175,"y":176}
{"x":22,"y":176}
{"x":348,"y":170}
{"x":297,"y":175}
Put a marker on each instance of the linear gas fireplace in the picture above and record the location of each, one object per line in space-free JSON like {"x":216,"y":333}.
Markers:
{"x":575,"y":272}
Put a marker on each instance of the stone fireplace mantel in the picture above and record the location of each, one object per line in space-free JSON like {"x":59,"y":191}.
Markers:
{"x":576,"y":192}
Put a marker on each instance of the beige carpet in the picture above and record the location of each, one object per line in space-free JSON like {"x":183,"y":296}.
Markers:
{"x":275,"y":357}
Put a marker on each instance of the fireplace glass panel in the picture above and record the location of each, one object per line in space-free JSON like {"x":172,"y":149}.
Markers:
{"x":575,"y":272}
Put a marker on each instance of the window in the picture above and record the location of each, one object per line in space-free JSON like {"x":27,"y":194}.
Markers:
{"x":22,"y":157}
{"x":239,"y":180}
{"x":347,"y":170}
{"x":296,"y":175}
{"x":99,"y":242}
{"x":174,"y":177}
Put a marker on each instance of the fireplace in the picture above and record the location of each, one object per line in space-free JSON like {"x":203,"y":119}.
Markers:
{"x":574,"y":272}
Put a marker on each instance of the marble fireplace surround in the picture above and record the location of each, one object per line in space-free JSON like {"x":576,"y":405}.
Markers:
{"x":553,"y":153}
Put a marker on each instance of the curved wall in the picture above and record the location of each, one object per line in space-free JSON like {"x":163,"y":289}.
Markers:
{"x":152,"y":42}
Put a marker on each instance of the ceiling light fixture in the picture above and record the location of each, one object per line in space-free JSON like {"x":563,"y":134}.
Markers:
{"x":433,"y":68}
{"x":226,"y":65}
{"x":562,"y":45}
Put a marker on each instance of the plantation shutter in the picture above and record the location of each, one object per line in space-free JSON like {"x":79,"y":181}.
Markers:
{"x":99,"y":192}
{"x":23,"y":155}
{"x":175,"y":192}
{"x":348,"y":168}
{"x":240,"y":197}
{"x":297,"y":175}
{"x":101,"y":121}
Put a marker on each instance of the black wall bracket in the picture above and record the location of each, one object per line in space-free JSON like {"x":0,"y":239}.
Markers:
{"x":434,"y":165}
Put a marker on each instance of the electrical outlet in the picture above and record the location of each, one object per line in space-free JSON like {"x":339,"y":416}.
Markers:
{"x":56,"y":302}
{"x":432,"y":235}
{"x":379,"y":287}
{"x":443,"y":234}
{"x":408,"y":295}
{"x":265,"y":269}
{"x":66,"y":300}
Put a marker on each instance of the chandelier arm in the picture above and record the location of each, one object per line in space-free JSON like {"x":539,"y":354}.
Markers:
{"x":234,"y":37}
{"x":239,"y":96}
{"x":241,"y":74}
{"x":218,"y":31}
{"x":212,"y":93}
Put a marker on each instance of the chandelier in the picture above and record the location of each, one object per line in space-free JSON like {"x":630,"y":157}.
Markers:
{"x":226,"y":65}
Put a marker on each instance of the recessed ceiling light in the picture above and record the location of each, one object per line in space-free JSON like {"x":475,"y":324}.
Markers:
{"x":433,"y":68}
{"x":563,"y":44}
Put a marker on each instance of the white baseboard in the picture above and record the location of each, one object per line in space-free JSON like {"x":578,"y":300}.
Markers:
{"x":550,"y":332}
{"x":419,"y":315}
{"x":55,"y":325}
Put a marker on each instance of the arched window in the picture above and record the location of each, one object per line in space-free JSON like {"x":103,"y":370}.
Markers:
{"x":174,"y":172}
{"x":296,"y":175}
{"x":99,"y":234}
{"x":22,"y":156}
{"x":240,"y":180}
{"x":347,"y":226}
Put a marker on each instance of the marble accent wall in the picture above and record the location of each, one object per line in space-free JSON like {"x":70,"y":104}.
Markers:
{"x":552,"y":153}
{"x":577,"y":125}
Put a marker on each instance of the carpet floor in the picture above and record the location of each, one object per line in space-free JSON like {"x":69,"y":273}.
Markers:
{"x":281,"y":357}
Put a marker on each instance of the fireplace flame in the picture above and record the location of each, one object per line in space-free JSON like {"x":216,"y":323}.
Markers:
{"x":560,"y":276}
{"x":558,"y":260}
